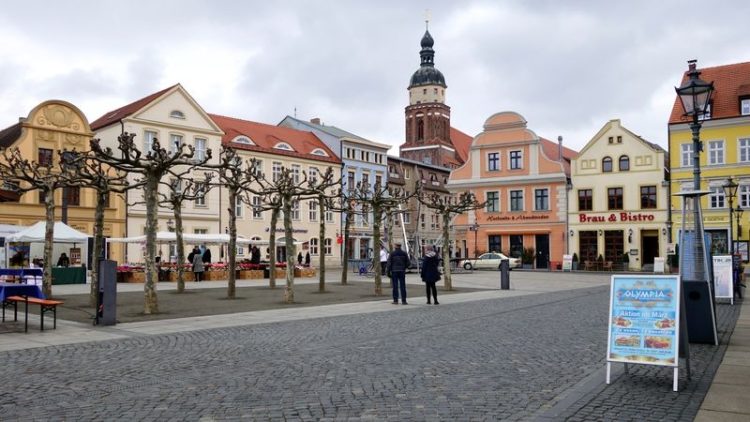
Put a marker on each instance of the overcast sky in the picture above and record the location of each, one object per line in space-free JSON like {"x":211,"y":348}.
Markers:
{"x":567,"y":66}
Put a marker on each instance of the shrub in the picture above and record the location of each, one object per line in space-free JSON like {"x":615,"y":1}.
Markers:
{"x":528,"y":256}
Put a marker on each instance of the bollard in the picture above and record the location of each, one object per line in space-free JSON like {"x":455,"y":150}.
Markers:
{"x":504,"y":274}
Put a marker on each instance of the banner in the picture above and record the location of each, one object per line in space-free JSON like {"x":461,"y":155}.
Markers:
{"x":644,"y":319}
{"x":723,"y":280}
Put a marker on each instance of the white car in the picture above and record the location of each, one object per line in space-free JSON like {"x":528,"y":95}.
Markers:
{"x":491,"y":261}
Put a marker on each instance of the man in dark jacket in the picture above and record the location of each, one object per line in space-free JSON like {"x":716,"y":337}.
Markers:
{"x":398,"y":263}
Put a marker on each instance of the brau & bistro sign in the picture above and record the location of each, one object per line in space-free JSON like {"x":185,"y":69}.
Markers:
{"x":616,"y":217}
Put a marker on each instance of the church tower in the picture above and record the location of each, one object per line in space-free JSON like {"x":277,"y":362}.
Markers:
{"x":427,"y":117}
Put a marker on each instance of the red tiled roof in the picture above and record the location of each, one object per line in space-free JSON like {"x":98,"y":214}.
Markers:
{"x":729,"y":81}
{"x":552,"y":151}
{"x":266,"y":137}
{"x":125,"y":111}
{"x":461,"y":142}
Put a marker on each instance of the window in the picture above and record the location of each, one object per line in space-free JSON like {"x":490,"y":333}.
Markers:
{"x":257,"y":211}
{"x":283,"y":146}
{"x":243,"y":140}
{"x":200,"y":149}
{"x":744,"y":193}
{"x":329,"y":216}
{"x":366,"y":180}
{"x":606,"y":164}
{"x":745,"y":106}
{"x":707,"y":114}
{"x":73,"y":195}
{"x":716,"y":197}
{"x":421,"y":221}
{"x":295,"y":210}
{"x":177,"y":114}
{"x":493,"y":161}
{"x":320,"y":152}
{"x":541,"y":199}
{"x":379,"y":181}
{"x":238,"y":206}
{"x":624,"y":163}
{"x":744,"y":145}
{"x":240,"y":249}
{"x":585,"y":200}
{"x":493,"y":202}
{"x":614,"y":198}
{"x":296,"y":170}
{"x":44,"y":157}
{"x":516,"y":200}
{"x":175,"y":142}
{"x":686,"y":155}
{"x":420,"y":130}
{"x":407,"y":218}
{"x":715,"y":152}
{"x":148,"y":141}
{"x":407,"y":173}
{"x":350,"y":183}
{"x":176,"y":185}
{"x":588,"y":245}
{"x":312,"y":173}
{"x":516,"y":245}
{"x":328,"y":246}
{"x":201,"y":199}
{"x":516,"y":160}
{"x":258,"y":166}
{"x":312,"y":206}
{"x":493,"y":243}
{"x":276,"y":171}
{"x":313,"y":246}
{"x":365,"y":215}
{"x":392,"y":171}
{"x":648,"y":197}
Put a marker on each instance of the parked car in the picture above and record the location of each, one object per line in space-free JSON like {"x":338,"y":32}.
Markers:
{"x":490,"y":260}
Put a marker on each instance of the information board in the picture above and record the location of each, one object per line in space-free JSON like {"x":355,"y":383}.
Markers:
{"x":644,"y":320}
{"x":567,"y":263}
{"x":658,"y":265}
{"x":723,"y":280}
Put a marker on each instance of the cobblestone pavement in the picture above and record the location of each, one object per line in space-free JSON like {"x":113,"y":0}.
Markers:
{"x":517,"y":358}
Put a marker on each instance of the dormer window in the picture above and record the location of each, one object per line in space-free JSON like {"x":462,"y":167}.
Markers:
{"x":243,"y":140}
{"x":320,"y":152}
{"x":177,"y":114}
{"x":745,"y":106}
{"x":283,"y":146}
{"x":707,"y":114}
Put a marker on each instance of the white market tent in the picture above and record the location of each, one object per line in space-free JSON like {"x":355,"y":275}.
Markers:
{"x":63,"y":233}
{"x":202,"y":239}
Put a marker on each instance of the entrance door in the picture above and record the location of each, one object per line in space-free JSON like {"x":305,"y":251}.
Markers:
{"x":649,"y":246}
{"x":542,"y":250}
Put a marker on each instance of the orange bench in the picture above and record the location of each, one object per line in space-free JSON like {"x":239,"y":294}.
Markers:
{"x":46,"y":305}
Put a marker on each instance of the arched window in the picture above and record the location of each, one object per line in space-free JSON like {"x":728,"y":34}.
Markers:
{"x":284,"y":146}
{"x":607,"y":164}
{"x":420,"y":130}
{"x":318,"y":151}
{"x":243,"y":140}
{"x":624,"y":163}
{"x":177,"y":114}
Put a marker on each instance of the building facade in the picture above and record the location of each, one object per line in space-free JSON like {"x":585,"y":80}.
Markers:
{"x":279,"y":147}
{"x":725,"y":134}
{"x":50,"y":127}
{"x":174,"y":118}
{"x":619,"y":200}
{"x":523,"y":179}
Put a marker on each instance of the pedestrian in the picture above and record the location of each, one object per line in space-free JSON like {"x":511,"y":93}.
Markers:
{"x":191,"y":255}
{"x":307,"y":259}
{"x":255,"y":256}
{"x":383,"y":260}
{"x":63,"y":261}
{"x":299,"y":258}
{"x":430,"y":273}
{"x":197,"y":264}
{"x":398,"y":262}
{"x":207,"y":256}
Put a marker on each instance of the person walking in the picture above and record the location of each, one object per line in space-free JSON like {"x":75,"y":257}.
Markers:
{"x":383,"y":260}
{"x":430,"y":273}
{"x":299,"y":258}
{"x":197,"y":264}
{"x":397,"y":264}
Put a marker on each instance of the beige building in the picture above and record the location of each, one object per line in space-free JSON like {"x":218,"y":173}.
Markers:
{"x":174,"y":118}
{"x":619,"y":200}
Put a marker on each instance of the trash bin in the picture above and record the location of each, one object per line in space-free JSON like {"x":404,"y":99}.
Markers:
{"x":504,"y":274}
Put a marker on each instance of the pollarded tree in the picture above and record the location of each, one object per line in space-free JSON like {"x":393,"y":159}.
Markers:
{"x":23,"y":176}
{"x":323,"y":187}
{"x":448,"y":206}
{"x":343,"y":203}
{"x":149,"y":169}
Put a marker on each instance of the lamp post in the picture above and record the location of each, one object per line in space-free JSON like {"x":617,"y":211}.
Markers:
{"x":475,"y":228}
{"x":730,"y":190}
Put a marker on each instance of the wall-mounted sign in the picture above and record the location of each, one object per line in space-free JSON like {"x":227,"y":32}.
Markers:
{"x":281,"y":229}
{"x":520,"y":217}
{"x":616,"y":217}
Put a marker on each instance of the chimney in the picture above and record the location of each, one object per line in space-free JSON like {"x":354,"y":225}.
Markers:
{"x":559,"y":143}
{"x":315,"y":120}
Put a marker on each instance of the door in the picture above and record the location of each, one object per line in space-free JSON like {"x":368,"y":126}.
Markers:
{"x":649,"y":246}
{"x":542,"y":250}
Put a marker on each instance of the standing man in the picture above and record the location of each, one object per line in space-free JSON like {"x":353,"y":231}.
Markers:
{"x":398,"y":263}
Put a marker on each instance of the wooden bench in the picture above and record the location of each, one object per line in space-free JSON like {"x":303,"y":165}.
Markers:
{"x":46,"y":305}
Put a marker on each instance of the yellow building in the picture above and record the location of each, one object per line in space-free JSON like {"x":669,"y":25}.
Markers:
{"x":725,"y":134}
{"x":51,"y":126}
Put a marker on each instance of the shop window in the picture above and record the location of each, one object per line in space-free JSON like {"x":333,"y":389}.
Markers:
{"x":493,"y":242}
{"x":587,"y":245}
{"x":614,"y":245}
{"x":516,"y":245}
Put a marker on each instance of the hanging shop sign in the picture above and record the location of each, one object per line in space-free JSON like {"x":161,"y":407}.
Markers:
{"x":616,"y":217}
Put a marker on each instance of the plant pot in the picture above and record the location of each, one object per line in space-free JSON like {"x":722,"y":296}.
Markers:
{"x":575,"y":265}
{"x":216,"y":275}
{"x":186,"y":276}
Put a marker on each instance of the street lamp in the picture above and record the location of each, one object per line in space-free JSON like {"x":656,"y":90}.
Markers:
{"x":730,"y":190}
{"x":695,"y":95}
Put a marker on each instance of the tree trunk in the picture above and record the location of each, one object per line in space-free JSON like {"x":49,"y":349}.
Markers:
{"x":151,"y":301}
{"x":376,"y":212}
{"x":446,"y":254}
{"x":98,"y":245}
{"x":290,"y":252}
{"x":180,"y":248}
{"x":321,"y":246}
{"x":232,"y":247}
{"x":272,"y":249}
{"x":345,"y":253}
{"x":389,"y":229}
{"x":49,"y":238}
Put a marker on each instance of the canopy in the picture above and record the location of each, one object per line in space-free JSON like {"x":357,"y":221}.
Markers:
{"x":202,"y":239}
{"x":63,"y":234}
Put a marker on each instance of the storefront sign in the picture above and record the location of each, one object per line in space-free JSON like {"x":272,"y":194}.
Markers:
{"x":644,"y":319}
{"x":567,"y":264}
{"x":520,"y":217}
{"x":616,"y":217}
{"x":281,"y":229}
{"x":723,"y":283}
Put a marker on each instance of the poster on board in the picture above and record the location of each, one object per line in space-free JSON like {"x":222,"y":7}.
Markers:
{"x":723,"y":280}
{"x":567,"y":263}
{"x":644,"y":320}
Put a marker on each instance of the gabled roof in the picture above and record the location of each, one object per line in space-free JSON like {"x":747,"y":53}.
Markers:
{"x":730,"y":82}
{"x":337,"y":132}
{"x":266,"y":137}
{"x":552,"y":151}
{"x":461,"y":142}
{"x":125,"y":111}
